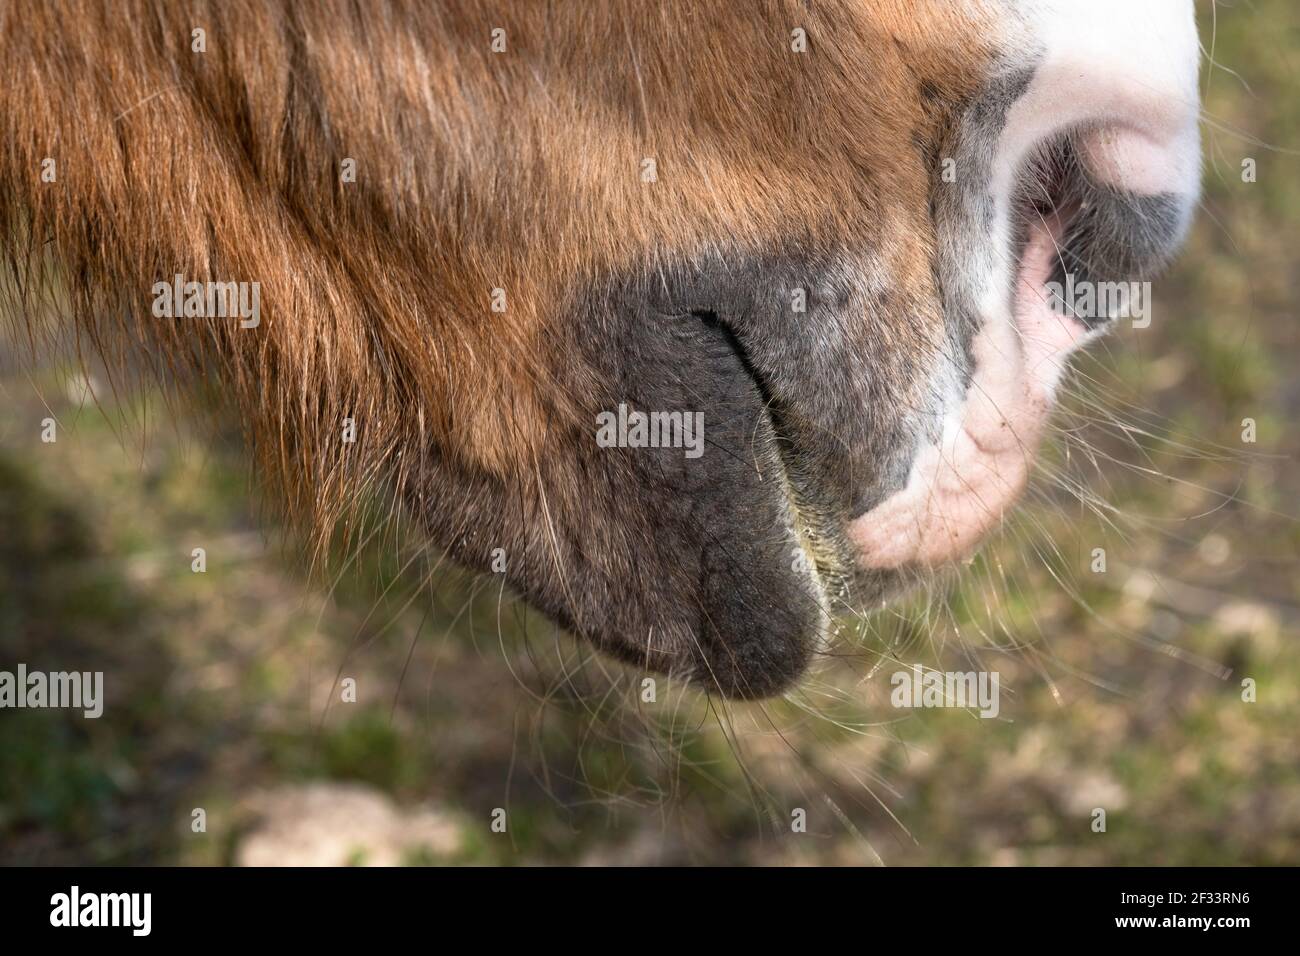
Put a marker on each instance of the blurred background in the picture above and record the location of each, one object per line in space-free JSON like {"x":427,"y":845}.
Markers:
{"x":225,"y":691}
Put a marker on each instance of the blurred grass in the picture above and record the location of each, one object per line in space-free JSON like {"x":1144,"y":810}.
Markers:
{"x":1121,"y":689}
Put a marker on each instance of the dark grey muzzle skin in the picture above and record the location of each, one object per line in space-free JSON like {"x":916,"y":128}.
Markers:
{"x":671,"y":563}
{"x":726,"y":568}
{"x":818,"y":376}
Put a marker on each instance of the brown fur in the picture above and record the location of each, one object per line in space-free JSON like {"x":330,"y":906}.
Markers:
{"x":225,"y":163}
{"x":475,"y":171}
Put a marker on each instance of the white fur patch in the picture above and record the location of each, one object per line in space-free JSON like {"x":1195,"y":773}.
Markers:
{"x":1125,"y":71}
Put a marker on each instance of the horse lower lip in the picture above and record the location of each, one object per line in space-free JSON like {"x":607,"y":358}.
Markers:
{"x":818,"y":541}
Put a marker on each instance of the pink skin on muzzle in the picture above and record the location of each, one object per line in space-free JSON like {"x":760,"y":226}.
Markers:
{"x":1120,"y":77}
{"x":960,"y":488}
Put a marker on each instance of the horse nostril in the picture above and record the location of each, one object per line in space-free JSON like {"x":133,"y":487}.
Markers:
{"x":1092,"y":213}
{"x":1054,"y":189}
{"x":1120,"y":80}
